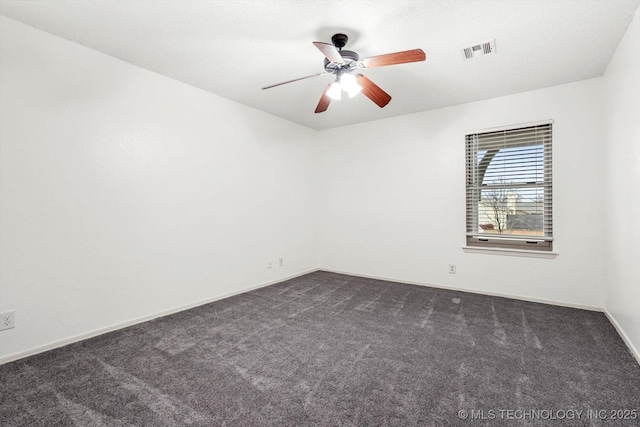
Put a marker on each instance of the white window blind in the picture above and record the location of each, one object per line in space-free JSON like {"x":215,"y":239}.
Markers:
{"x":509,"y":188}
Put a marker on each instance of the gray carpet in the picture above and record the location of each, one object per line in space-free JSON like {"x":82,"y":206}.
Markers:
{"x":328,"y":349}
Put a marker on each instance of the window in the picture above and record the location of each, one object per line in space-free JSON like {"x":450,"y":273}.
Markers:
{"x":509,"y":188}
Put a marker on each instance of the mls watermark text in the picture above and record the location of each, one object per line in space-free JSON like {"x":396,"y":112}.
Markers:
{"x":548,"y":414}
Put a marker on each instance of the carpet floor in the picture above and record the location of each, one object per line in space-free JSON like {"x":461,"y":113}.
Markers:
{"x":333,"y":350}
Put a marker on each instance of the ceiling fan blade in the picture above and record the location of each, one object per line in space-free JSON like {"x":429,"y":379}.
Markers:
{"x":294,"y":80}
{"x":324,"y":100}
{"x":415,"y":55}
{"x":373,"y":91}
{"x":330,"y":52}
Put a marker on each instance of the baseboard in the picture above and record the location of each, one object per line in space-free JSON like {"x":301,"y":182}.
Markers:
{"x":80,"y":337}
{"x":632,"y":348}
{"x":472,"y":291}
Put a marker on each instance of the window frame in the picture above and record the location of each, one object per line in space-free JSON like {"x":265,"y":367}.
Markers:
{"x":475,"y":239}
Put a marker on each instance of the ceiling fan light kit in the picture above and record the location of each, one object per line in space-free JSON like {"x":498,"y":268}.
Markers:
{"x":342,"y":63}
{"x":346,"y":82}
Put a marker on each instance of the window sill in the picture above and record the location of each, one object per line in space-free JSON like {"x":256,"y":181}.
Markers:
{"x":509,"y":252}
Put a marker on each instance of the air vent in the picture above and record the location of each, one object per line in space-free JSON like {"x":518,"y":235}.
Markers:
{"x":480,"y":49}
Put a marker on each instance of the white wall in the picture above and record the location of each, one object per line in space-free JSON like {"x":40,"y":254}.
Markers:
{"x":393,"y":199}
{"x":126,"y":194}
{"x":622,"y":284}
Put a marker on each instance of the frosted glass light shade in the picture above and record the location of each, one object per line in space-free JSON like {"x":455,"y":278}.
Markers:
{"x":350,"y":85}
{"x":335,"y":91}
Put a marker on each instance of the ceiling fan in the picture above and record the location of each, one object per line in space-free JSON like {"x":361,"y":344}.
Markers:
{"x":343,"y":63}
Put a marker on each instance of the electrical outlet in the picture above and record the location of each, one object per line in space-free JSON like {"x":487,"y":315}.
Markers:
{"x":269,"y":264}
{"x":452,"y":269}
{"x":7,"y":320}
{"x":281,"y":261}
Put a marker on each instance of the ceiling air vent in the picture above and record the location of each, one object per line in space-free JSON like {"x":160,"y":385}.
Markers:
{"x":480,"y":49}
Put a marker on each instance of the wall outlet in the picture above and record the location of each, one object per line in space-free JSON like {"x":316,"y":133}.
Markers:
{"x":452,"y":269}
{"x":281,"y":262}
{"x":7,"y":320}
{"x":269,"y":264}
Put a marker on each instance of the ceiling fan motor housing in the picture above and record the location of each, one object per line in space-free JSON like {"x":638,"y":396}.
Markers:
{"x":350,"y":59}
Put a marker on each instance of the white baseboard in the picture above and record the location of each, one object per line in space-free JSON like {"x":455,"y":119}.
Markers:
{"x":472,"y":291}
{"x":96,"y":332}
{"x":632,"y":348}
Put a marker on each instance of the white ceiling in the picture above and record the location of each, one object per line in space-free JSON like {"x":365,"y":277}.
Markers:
{"x":233,"y":48}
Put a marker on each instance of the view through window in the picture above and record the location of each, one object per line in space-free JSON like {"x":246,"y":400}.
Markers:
{"x":509,"y":188}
